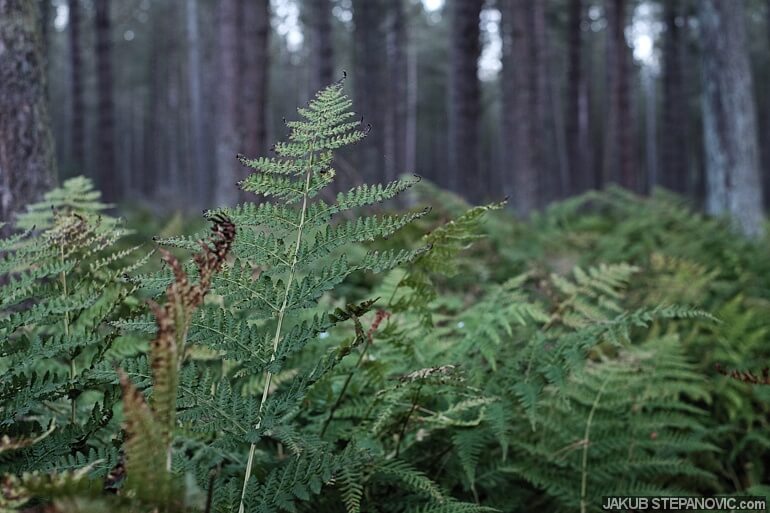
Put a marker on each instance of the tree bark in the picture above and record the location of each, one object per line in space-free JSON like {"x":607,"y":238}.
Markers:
{"x":26,"y":144}
{"x":577,"y":178}
{"x":464,"y":97}
{"x":729,"y":118}
{"x":410,"y":128}
{"x":322,"y":47}
{"x":674,"y":169}
{"x":227,"y":171}
{"x":254,"y":76}
{"x":196,"y":101}
{"x":369,"y":89}
{"x":45,"y":24}
{"x":396,"y":113}
{"x":107,"y":175}
{"x":544,"y":137}
{"x":619,"y":153}
{"x":520,"y":116}
{"x":77,"y":129}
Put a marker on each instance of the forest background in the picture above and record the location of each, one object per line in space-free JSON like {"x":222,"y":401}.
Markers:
{"x":535,"y":100}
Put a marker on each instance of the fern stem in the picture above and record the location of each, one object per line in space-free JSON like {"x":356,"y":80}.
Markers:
{"x":338,"y":402}
{"x":73,"y":409}
{"x":281,"y":315}
{"x":584,"y":464}
{"x":402,"y":433}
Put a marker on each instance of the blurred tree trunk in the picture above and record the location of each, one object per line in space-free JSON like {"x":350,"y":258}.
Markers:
{"x":196,"y":102}
{"x":319,"y":23}
{"x":77,"y":129}
{"x":26,"y":145}
{"x":729,"y":119}
{"x":226,"y":190}
{"x":150,"y":172}
{"x":578,"y":181}
{"x":619,"y":153}
{"x":520,"y":116}
{"x":765,"y":148}
{"x":107,"y":175}
{"x":369,"y":55}
{"x":649,"y":87}
{"x":177,"y":189}
{"x":546,"y":137}
{"x":464,"y":97}
{"x":410,"y":129}
{"x":45,"y":24}
{"x":253,"y":81}
{"x":396,"y":113}
{"x":674,"y":166}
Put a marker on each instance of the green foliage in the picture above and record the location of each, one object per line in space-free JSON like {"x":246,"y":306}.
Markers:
{"x":62,"y":286}
{"x":624,"y":426}
{"x":482,"y":364}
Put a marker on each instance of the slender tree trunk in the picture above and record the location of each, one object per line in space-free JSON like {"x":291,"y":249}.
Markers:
{"x":396,"y":43}
{"x":322,"y":47}
{"x":26,"y":145}
{"x":674,"y":162}
{"x":227,"y":174}
{"x":45,"y":24}
{"x":254,"y":76}
{"x":543,"y":137}
{"x":729,"y":119}
{"x":150,"y":173}
{"x":196,"y":102}
{"x":651,"y":129}
{"x":577,"y":179}
{"x":106,"y":171}
{"x":410,"y":130}
{"x":77,"y":130}
{"x":369,"y":55}
{"x":177,"y":189}
{"x":520,"y":118}
{"x":619,"y":154}
{"x":765,"y":148}
{"x":464,"y":97}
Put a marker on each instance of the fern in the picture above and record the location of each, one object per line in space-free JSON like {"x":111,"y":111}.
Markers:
{"x":63,"y":287}
{"x":287,"y":255}
{"x":607,"y":439}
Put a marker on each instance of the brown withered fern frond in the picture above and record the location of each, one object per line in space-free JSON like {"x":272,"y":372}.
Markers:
{"x":149,"y":427}
{"x":746,"y":376}
{"x":182,"y":296}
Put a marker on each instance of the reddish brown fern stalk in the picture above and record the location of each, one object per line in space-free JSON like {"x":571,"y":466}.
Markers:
{"x":746,"y":376}
{"x":149,"y":428}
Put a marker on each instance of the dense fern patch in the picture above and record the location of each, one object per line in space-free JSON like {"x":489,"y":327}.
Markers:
{"x":322,"y":353}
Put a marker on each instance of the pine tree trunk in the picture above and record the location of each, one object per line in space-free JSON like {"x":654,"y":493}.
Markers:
{"x":322,"y":47}
{"x":395,"y":143}
{"x":519,"y":96}
{"x":464,"y":97}
{"x":729,"y":119}
{"x":107,"y":174}
{"x":26,"y":144}
{"x":765,"y":148}
{"x":45,"y":24}
{"x":410,"y":128}
{"x":577,"y":178}
{"x":673,"y":164}
{"x":254,"y":76}
{"x":369,"y":55}
{"x":77,"y":130}
{"x":543,"y":137}
{"x":227,"y":170}
{"x":619,"y":154}
{"x":196,"y":102}
{"x":150,"y":178}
